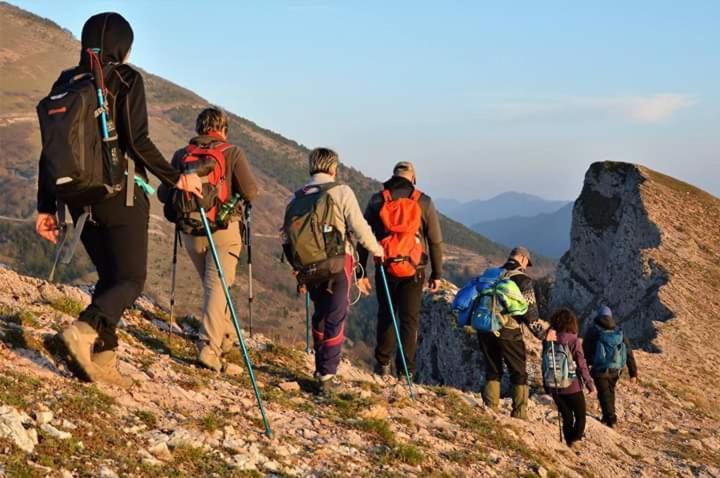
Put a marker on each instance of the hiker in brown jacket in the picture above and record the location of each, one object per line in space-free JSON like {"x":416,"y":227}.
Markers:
{"x":217,"y":334}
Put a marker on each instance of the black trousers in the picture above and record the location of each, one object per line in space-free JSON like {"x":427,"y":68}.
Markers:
{"x":510,"y":348}
{"x":117,"y":242}
{"x":605,"y":385}
{"x":572,"y":410}
{"x":406,"y":294}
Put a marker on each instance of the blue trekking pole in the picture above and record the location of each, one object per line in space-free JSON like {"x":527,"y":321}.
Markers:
{"x":307,"y":322}
{"x":397,"y":331}
{"x":236,"y":322}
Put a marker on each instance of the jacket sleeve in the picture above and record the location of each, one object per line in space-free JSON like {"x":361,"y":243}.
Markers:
{"x":133,"y":123}
{"x":244,"y":182}
{"x":531,"y":319}
{"x":582,"y":365}
{"x":589,"y":343}
{"x":46,"y":202}
{"x":631,"y":363}
{"x":433,"y":235}
{"x":362,"y":251}
{"x":355,"y":222}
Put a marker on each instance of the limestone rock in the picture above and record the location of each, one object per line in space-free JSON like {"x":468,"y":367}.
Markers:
{"x":289,"y":386}
{"x":11,"y":427}
{"x":54,"y":432}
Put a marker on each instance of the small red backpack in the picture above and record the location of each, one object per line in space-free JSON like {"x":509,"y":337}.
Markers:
{"x":209,"y":163}
{"x":402,"y":219}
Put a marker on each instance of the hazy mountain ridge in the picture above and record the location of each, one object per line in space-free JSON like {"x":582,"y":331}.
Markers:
{"x":503,"y":205}
{"x":546,"y":233}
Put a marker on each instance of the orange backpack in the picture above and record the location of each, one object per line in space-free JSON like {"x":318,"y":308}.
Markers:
{"x":402,"y":219}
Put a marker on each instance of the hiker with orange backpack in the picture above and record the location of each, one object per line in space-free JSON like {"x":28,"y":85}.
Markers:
{"x":228,"y":187}
{"x":96,"y":153}
{"x":407,"y":225}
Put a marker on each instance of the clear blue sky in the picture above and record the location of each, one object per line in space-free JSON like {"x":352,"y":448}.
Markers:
{"x":483,"y":97}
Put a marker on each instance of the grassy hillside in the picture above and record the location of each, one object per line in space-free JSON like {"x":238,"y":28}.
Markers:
{"x":33,"y":51}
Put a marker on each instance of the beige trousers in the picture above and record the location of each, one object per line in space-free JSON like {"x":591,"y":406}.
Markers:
{"x":216,"y":326}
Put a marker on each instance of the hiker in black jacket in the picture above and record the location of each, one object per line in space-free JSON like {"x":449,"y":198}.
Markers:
{"x":509,"y":346}
{"x":606,"y":379}
{"x":116,"y":237}
{"x":406,"y":292}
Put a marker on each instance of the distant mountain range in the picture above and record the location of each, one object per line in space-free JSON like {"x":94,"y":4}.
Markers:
{"x":513,"y":218}
{"x":547,"y":233}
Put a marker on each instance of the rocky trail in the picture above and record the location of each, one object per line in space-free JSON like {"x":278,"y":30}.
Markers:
{"x":181,"y":420}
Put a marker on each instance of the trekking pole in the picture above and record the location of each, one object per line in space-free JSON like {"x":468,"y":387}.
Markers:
{"x":554,"y":365}
{"x":248,"y":239}
{"x":397,"y":331}
{"x":307,"y":322}
{"x":235,"y":321}
{"x":173,"y":275}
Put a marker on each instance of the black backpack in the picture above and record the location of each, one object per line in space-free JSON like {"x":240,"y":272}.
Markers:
{"x":85,"y":167}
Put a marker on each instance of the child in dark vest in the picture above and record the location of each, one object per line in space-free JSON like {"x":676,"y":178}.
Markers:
{"x":570,"y":400}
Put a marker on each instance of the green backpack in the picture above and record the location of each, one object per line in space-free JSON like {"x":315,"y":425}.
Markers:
{"x":313,"y":245}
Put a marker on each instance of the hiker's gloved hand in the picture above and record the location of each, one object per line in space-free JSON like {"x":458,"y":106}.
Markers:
{"x":433,"y":285}
{"x":551,"y":335}
{"x":364,"y":286}
{"x":46,"y":226}
{"x":190,"y":183}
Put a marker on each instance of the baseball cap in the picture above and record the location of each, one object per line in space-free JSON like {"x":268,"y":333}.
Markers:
{"x":521,"y":251}
{"x":403,"y":167}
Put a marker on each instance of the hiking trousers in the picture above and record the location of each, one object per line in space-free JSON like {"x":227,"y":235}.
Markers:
{"x":216,"y":327}
{"x":605,"y":385}
{"x":116,"y":239}
{"x":331,"y":301}
{"x":508,"y":348}
{"x":572,"y":410}
{"x":406,"y":294}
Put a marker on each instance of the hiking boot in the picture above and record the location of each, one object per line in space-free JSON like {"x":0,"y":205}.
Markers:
{"x":520,"y":402}
{"x":328,"y":385}
{"x":209,"y":358}
{"x":79,"y":339}
{"x":491,"y":394}
{"x":107,"y":365}
{"x":383,"y":370}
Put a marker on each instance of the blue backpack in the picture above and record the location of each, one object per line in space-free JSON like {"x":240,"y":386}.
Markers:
{"x":558,"y":366}
{"x":610,"y":352}
{"x":489,"y":301}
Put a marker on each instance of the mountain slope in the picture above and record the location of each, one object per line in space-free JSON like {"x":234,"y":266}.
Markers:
{"x":502,"y":206}
{"x":547,"y":233}
{"x":32,"y":52}
{"x":182,"y":421}
{"x":648,"y":246}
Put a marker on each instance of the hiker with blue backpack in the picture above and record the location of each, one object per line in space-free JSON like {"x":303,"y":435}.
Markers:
{"x":565,"y":372}
{"x":609,"y":351}
{"x":497,"y":304}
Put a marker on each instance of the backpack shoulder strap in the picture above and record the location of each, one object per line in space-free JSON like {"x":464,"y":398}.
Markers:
{"x":387,"y":195}
{"x":416,"y":195}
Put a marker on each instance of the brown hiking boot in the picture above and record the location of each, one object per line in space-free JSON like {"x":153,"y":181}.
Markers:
{"x":107,"y":365}
{"x":209,"y":358}
{"x":520,"y":402}
{"x":491,"y":394}
{"x":79,"y":339}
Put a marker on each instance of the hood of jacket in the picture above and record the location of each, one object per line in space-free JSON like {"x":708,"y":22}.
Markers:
{"x":606,"y":322}
{"x":110,"y":33}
